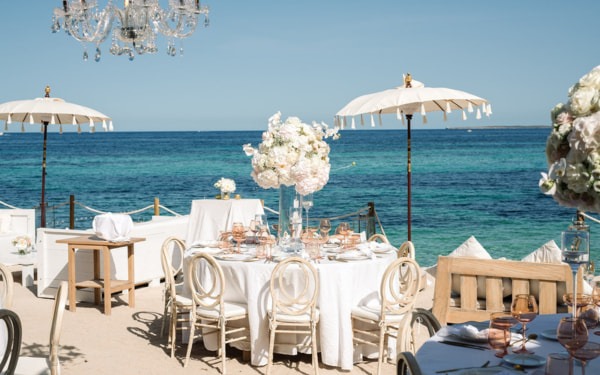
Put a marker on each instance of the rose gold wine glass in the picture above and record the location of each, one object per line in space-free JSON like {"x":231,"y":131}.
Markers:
{"x":572,"y":334}
{"x":524,"y":308}
{"x":499,"y":332}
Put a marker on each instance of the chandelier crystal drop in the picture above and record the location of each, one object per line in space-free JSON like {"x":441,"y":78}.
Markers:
{"x":134,"y":27}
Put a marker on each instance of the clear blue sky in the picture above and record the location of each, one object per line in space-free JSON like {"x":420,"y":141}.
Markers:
{"x":309,"y":58}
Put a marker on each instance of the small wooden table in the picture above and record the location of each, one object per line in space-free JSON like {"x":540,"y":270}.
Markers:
{"x":101,"y":246}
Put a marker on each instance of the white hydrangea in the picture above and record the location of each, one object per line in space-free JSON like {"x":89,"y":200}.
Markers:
{"x":292,"y":153}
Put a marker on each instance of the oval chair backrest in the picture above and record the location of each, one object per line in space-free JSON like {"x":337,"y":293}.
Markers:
{"x":206,"y":281}
{"x":172,"y":249}
{"x":13,"y":341}
{"x":294,"y":287}
{"x":57,"y":317}
{"x":400,"y":286}
{"x":379,"y":237}
{"x":407,"y":249}
{"x":6,"y":290}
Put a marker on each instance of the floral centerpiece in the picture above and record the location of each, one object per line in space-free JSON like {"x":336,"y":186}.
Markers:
{"x":22,"y":244}
{"x":226,"y":186}
{"x":292,"y":153}
{"x":573,"y":147}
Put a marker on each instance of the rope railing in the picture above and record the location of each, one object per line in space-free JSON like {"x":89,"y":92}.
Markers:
{"x":8,"y":205}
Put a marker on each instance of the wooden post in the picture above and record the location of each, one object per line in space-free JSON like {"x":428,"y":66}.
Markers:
{"x":371,"y":220}
{"x":156,"y":206}
{"x":71,"y":211}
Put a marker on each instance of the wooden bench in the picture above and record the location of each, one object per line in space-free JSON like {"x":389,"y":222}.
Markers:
{"x":549,"y":276}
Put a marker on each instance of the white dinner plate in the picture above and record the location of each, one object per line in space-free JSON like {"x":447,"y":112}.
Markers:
{"x":235,"y":257}
{"x":549,"y":334}
{"x":353,"y":255}
{"x":525,"y":360}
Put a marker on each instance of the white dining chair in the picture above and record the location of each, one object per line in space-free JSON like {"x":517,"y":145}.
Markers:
{"x":176,"y":307}
{"x":48,"y":365}
{"x":407,"y":249}
{"x":210,"y":311}
{"x":6,"y":287}
{"x":13,"y":334}
{"x":374,"y":323}
{"x":378,"y":237}
{"x":294,"y":288}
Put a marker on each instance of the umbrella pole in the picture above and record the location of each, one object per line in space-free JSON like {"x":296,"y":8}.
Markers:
{"x":43,"y":203}
{"x":408,"y":176}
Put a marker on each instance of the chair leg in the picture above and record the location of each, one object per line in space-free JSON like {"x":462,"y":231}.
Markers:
{"x":381,"y":348}
{"x":190,"y":343}
{"x":222,"y":346}
{"x":173,"y":328}
{"x":165,"y":316}
{"x":315,"y":354}
{"x":271,"y":347}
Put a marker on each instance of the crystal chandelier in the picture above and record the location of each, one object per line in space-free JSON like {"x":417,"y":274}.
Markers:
{"x":134,"y":28}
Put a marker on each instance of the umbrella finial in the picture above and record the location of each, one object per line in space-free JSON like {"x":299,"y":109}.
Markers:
{"x":407,"y":80}
{"x":47,"y":91}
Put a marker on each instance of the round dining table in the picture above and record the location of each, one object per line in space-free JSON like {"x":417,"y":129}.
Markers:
{"x":452,"y":354}
{"x":344,"y":283}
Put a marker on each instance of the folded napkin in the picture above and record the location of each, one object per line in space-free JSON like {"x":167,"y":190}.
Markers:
{"x":367,"y":249}
{"x":467,"y":332}
{"x":112,"y":227}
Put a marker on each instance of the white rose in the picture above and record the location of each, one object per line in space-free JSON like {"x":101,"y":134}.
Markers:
{"x":577,"y":177}
{"x":583,"y":100}
{"x":592,"y":79}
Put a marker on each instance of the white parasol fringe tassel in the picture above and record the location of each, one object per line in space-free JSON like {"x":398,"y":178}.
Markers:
{"x":478,"y":116}
{"x":92,"y":125}
{"x":470,"y":107}
{"x":60,"y":129}
{"x":22,"y":128}
{"x":52,"y":120}
{"x":31,"y":122}
{"x":110,"y":126}
{"x":104,"y":126}
{"x":372,"y":121}
{"x":448,"y":108}
{"x":425,"y":119}
{"x":398,"y":114}
{"x":353,"y":126}
{"x":464,"y":115}
{"x":489,"y":110}
{"x":445,"y":116}
{"x":423,"y":113}
{"x":9,"y":119}
{"x":74,"y":120}
{"x":78,"y":129}
{"x":362,"y":120}
{"x":379,"y":118}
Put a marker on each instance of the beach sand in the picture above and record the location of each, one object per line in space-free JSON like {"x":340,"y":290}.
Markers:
{"x":129,"y":341}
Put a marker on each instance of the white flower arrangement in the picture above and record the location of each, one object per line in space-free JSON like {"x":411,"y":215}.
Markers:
{"x":292,"y":153}
{"x":22,"y":244}
{"x":226,"y":185}
{"x":573,"y":147}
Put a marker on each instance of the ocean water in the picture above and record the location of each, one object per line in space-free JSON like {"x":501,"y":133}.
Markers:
{"x":482,"y":183}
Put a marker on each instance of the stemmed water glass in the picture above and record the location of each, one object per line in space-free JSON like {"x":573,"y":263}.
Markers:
{"x":307,"y":203}
{"x":499,"y":332}
{"x":572,"y":334}
{"x":325,"y":227}
{"x":254,"y":228}
{"x":238,"y":232}
{"x":524,"y":308}
{"x":344,"y":230}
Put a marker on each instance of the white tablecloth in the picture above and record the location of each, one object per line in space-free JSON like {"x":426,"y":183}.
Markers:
{"x":342,"y":286}
{"x":433,"y":356}
{"x":210,"y":216}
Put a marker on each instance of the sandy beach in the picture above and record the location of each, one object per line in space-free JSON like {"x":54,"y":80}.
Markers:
{"x":129,"y":341}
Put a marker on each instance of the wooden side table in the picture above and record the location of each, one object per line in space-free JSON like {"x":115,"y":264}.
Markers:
{"x":103,"y":247}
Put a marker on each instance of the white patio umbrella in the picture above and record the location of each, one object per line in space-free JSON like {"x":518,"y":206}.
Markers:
{"x":50,"y":111}
{"x":404,"y":101}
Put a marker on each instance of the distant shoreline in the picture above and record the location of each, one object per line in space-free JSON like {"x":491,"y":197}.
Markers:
{"x":499,"y":127}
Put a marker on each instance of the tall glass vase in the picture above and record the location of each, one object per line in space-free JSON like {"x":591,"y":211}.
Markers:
{"x":576,"y":252}
{"x":287,"y":194}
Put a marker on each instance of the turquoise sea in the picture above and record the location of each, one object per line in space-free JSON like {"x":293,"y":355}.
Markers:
{"x":482,"y":183}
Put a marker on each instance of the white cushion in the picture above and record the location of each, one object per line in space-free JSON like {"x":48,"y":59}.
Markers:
{"x":300,"y":319}
{"x":231,"y":309}
{"x":113,"y":227}
{"x":374,"y":313}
